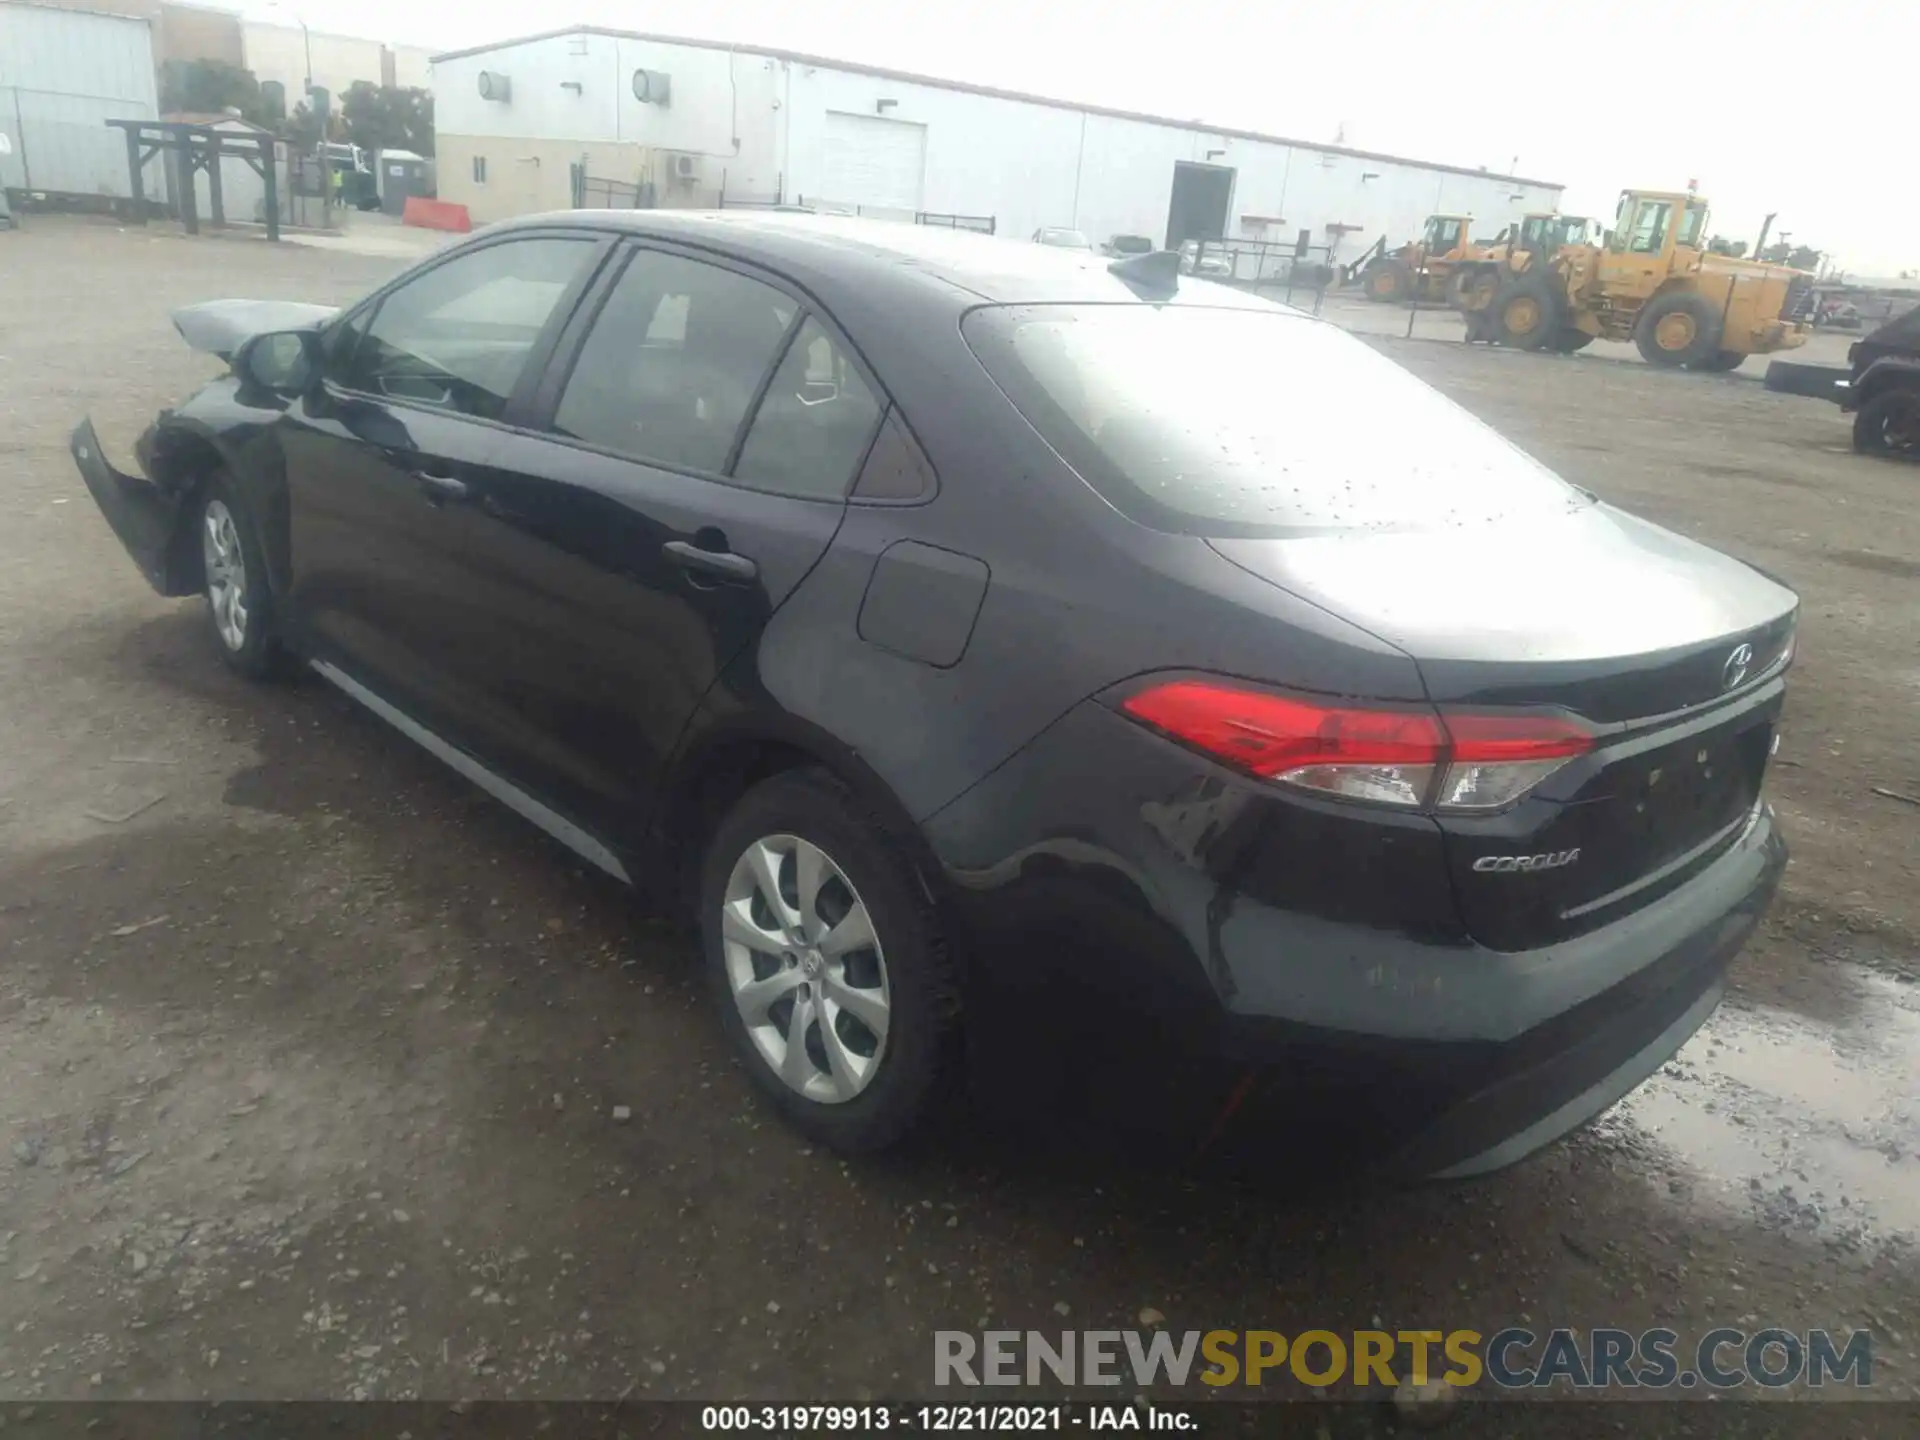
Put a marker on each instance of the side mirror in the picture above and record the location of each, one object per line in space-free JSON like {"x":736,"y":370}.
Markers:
{"x":285,"y":362}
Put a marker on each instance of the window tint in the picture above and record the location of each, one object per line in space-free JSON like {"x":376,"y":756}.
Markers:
{"x":458,"y":336}
{"x":814,"y":425}
{"x":1253,"y":421}
{"x":673,"y":361}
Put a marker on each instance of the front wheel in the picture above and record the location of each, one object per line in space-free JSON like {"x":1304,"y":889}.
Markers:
{"x":1679,"y":328}
{"x":828,"y":963}
{"x":234,"y":575}
{"x":1724,"y":361}
{"x":1387,"y":281}
{"x":1889,"y":424}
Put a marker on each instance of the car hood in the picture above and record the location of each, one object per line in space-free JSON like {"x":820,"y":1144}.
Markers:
{"x":1580,"y":590}
{"x":219,"y":326}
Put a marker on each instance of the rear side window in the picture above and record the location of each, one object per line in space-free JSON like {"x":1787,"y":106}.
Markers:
{"x":673,"y":362}
{"x":1250,"y":421}
{"x":814,"y":425}
{"x":458,"y":336}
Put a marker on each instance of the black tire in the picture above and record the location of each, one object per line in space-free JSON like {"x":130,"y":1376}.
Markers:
{"x":1527,"y":311}
{"x":1387,"y":282}
{"x":1889,"y":424}
{"x":1687,"y":322}
{"x":1472,"y":288}
{"x":920,"y":1049}
{"x":1817,"y":382}
{"x":1723,"y":361}
{"x":1569,"y":340}
{"x":258,"y":655}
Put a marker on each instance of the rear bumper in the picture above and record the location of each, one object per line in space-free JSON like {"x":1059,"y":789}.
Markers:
{"x":1175,"y":949}
{"x":1554,"y":1080}
{"x":145,"y":517}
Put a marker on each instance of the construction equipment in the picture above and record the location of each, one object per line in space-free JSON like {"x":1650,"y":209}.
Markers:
{"x":1653,"y":282}
{"x":1475,"y":283}
{"x":1420,"y":268}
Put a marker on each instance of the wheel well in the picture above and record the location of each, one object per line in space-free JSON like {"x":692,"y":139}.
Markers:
{"x":1899,"y":378}
{"x":709,"y":786}
{"x":181,"y":463}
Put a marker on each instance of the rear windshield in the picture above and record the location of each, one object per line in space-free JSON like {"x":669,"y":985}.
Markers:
{"x":1251,"y":421}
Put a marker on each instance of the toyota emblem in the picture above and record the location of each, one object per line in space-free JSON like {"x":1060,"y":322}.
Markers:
{"x":1735,"y":670}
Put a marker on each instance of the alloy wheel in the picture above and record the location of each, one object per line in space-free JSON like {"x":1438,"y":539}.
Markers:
{"x":226,"y":567}
{"x":806,"y":969}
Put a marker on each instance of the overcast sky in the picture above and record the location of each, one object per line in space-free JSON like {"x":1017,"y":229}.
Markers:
{"x":1796,"y":108}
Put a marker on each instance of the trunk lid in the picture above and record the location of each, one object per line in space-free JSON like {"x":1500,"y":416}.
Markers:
{"x":1671,"y":652}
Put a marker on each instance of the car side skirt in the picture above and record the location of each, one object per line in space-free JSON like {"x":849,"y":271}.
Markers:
{"x":505,"y":791}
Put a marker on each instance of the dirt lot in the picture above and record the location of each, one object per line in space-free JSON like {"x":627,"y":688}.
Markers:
{"x":309,"y":1051}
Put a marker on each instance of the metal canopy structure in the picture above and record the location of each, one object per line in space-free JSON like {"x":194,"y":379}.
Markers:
{"x":196,"y":147}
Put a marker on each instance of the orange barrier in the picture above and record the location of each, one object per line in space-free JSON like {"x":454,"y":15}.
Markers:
{"x":436,"y":214}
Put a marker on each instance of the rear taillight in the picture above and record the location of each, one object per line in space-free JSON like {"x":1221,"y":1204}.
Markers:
{"x":1410,"y":758}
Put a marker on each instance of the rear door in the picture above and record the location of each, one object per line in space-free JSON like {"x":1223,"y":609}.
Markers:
{"x":409,"y":421}
{"x":684,"y":466}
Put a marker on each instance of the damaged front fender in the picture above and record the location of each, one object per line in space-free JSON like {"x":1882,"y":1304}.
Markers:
{"x":146,"y":517}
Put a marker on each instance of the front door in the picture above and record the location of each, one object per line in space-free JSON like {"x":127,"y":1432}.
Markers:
{"x":693,"y":469}
{"x":1639,"y":255}
{"x":1197,"y":209}
{"x":403,"y":430}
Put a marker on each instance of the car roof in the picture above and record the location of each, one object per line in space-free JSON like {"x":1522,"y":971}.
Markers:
{"x":964,"y":267}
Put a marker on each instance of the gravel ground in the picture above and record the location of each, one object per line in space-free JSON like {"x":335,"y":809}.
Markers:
{"x":310,"y":1054}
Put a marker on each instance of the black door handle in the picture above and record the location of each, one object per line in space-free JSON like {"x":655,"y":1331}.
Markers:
{"x":722,"y":563}
{"x":441,"y":487}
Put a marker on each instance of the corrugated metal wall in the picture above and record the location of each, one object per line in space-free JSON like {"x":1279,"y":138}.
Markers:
{"x":63,"y":75}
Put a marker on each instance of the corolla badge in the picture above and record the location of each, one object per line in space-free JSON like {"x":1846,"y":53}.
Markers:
{"x":1508,"y":864}
{"x":1739,"y":661}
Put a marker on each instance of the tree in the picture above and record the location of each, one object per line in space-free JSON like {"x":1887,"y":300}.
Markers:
{"x":1720,"y":245}
{"x":208,"y":87}
{"x":388,"y":117}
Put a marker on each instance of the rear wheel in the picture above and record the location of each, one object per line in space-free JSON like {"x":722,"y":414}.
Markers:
{"x":1889,"y":424}
{"x":1570,"y":340}
{"x":828,"y":963}
{"x":1526,"y":314}
{"x":239,"y":606}
{"x":1680,"y":328}
{"x":1723,"y":361}
{"x":1387,"y":281}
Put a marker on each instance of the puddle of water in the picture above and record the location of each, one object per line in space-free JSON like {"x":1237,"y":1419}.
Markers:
{"x":1816,"y":1126}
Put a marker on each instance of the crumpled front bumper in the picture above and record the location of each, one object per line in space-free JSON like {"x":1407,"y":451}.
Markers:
{"x":146,"y":518}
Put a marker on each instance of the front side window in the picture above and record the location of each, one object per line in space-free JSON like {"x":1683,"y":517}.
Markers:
{"x":1442,"y":233}
{"x":673,"y":361}
{"x":1251,"y":422}
{"x":1650,"y":226}
{"x":814,"y":425}
{"x":458,"y":336}
{"x":1693,"y":226}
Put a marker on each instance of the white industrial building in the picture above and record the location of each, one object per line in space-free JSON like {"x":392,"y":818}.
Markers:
{"x":63,"y":75}
{"x":521,"y":124}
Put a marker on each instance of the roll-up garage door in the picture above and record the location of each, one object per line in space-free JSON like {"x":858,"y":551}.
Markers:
{"x":875,"y":162}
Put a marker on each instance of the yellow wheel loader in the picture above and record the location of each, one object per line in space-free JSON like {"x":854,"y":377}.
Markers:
{"x":1547,"y":236}
{"x":1421,"y":268}
{"x":1653,"y":282}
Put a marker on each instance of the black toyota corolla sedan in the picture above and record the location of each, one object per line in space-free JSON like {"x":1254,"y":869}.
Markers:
{"x":1006,"y":655}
